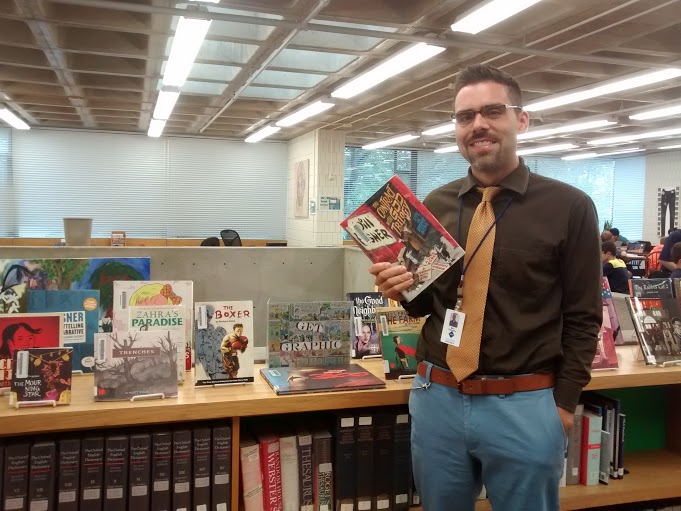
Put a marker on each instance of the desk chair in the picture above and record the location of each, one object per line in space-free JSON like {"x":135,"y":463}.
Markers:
{"x":230,"y":238}
{"x":211,"y":242}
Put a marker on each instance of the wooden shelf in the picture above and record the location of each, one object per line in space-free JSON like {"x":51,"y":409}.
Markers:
{"x":654,"y":475}
{"x":258,"y":399}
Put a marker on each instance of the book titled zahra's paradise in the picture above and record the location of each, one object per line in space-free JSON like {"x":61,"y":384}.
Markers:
{"x":394,"y":226}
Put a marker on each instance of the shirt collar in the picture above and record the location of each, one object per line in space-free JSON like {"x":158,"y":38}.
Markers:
{"x":517,"y":181}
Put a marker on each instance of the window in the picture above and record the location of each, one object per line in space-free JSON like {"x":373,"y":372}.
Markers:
{"x":630,"y":182}
{"x":6,"y":184}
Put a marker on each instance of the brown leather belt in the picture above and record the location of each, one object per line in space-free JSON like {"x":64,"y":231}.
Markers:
{"x":489,"y":385}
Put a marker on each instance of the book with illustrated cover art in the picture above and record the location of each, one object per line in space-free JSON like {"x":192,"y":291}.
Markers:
{"x":223,"y":340}
{"x":394,"y":226}
{"x":130,"y":363}
{"x":609,"y":303}
{"x":658,"y":327}
{"x":42,"y":374}
{"x":399,"y":335}
{"x":284,"y":380}
{"x":364,"y":330}
{"x":606,"y":355}
{"x":308,"y":334}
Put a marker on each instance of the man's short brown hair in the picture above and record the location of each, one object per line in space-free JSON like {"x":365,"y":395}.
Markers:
{"x":479,"y":73}
{"x":676,"y":253}
{"x":609,"y":248}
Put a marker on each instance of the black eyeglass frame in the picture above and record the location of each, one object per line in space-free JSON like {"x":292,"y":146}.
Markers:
{"x":482,"y":112}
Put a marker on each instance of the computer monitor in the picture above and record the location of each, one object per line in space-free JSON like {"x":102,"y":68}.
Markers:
{"x":276,"y":243}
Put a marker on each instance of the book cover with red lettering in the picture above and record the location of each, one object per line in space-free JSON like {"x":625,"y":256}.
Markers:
{"x":285,"y":380}
{"x":270,"y":466}
{"x":223,"y":342}
{"x":394,"y":226}
{"x":399,"y":337}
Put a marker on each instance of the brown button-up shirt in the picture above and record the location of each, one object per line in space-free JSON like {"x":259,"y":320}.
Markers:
{"x":544,"y":307}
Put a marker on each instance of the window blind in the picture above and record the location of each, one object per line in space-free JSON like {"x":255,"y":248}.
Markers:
{"x":630,"y":181}
{"x":6,"y":186}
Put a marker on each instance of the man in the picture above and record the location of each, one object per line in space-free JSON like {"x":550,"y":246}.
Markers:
{"x":230,"y":347}
{"x":607,"y":236}
{"x":676,"y":259}
{"x":618,"y":237}
{"x":540,"y":318}
{"x":666,"y":254}
{"x":400,"y":355}
{"x":676,"y":327}
{"x":614,"y":269}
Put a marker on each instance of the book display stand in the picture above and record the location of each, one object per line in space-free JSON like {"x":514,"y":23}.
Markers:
{"x":145,"y":397}
{"x":29,"y":404}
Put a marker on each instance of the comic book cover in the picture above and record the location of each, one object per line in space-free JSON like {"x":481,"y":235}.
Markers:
{"x":658,"y":327}
{"x":399,"y":335}
{"x":606,"y":355}
{"x":164,"y":317}
{"x":364,"y":331}
{"x":18,"y":276}
{"x":42,"y":374}
{"x":651,"y":288}
{"x":308,"y":334}
{"x":224,"y":343}
{"x":134,"y":363}
{"x":286,"y":380}
{"x":153,"y":293}
{"x":22,"y":331}
{"x":393,"y":226}
{"x":609,"y":304}
{"x":81,"y":320}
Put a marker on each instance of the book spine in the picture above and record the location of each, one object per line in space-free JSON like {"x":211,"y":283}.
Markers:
{"x":365,"y":463}
{"x":201,"y":473}
{"x":161,"y":470}
{"x":323,"y":472}
{"x":620,"y":458}
{"x":15,"y":484}
{"x":401,"y":462}
{"x":116,"y":473}
{"x":251,"y":477}
{"x":222,"y":468}
{"x":383,"y":460}
{"x":345,"y":462}
{"x":2,"y":474}
{"x":68,"y":474}
{"x":591,"y":448}
{"x":270,"y":465}
{"x":305,"y":468}
{"x":604,"y":467}
{"x":139,"y":476}
{"x":42,"y":475}
{"x":91,"y":473}
{"x":574,"y":448}
{"x":290,"y":493}
{"x":182,"y":470}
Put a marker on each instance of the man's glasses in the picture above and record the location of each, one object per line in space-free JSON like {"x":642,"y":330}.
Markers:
{"x":489,"y":112}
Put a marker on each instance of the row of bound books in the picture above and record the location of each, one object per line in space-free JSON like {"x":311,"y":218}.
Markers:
{"x":186,"y":468}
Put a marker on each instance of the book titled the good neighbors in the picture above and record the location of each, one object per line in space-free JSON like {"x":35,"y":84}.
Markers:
{"x":394,"y":226}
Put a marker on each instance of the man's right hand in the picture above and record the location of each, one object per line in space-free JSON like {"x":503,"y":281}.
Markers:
{"x":391,"y":280}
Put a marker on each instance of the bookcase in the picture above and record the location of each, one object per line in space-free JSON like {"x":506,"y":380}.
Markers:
{"x":654,"y":474}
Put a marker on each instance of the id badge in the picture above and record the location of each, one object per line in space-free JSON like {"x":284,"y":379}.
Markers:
{"x":452,"y":327}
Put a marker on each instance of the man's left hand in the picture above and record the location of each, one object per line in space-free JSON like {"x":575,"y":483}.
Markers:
{"x":567,"y":418}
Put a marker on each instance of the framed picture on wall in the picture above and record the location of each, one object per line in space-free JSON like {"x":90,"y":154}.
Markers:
{"x":301,"y":188}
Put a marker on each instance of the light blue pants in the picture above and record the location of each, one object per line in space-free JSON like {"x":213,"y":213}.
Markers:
{"x":513,"y":444}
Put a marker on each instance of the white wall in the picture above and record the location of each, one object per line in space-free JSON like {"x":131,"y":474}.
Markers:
{"x":663,"y":171}
{"x":300,"y":231}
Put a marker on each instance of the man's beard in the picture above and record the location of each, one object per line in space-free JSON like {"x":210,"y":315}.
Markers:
{"x":488,"y":163}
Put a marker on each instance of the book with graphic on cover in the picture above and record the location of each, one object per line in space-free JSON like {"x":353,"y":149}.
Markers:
{"x":606,"y":355}
{"x":130,"y":363}
{"x":223,"y":341}
{"x":42,"y":374}
{"x":399,"y":335}
{"x":284,"y":380}
{"x":658,"y":327}
{"x":394,"y":226}
{"x":364,"y":331}
{"x":609,"y":302}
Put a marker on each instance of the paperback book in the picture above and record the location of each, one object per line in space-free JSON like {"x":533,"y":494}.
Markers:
{"x":651,"y":288}
{"x":658,"y":327}
{"x":285,"y":380}
{"x":399,"y":336}
{"x":606,"y":355}
{"x":131,"y":363}
{"x":42,"y":374}
{"x":609,"y":304}
{"x":223,"y":340}
{"x":23,"y":331}
{"x":394,"y":226}
{"x":364,"y":331}
{"x":81,"y":320}
{"x":308,"y":334}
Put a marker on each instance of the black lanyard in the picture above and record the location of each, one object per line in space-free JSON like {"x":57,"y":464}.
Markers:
{"x":458,"y":230}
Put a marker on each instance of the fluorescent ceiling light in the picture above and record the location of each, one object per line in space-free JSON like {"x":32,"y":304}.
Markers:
{"x":304,"y":113}
{"x":447,"y":149}
{"x":569,"y":128}
{"x":677,"y":146}
{"x":262,"y":133}
{"x":13,"y":120}
{"x":188,"y":39}
{"x":584,"y":156}
{"x":156,"y":127}
{"x":546,"y":149}
{"x":626,"y":83}
{"x":654,"y":114}
{"x":391,"y":141}
{"x":636,"y":136}
{"x":491,"y":13}
{"x":396,"y":64}
{"x":165,"y":104}
{"x":439,"y":130}
{"x":207,"y":1}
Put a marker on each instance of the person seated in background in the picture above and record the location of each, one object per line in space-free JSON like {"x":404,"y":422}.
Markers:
{"x":654,"y":267}
{"x":618,"y":237}
{"x":607,"y":236}
{"x":614,"y":269}
{"x":676,"y":259}
{"x":666,"y":254}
